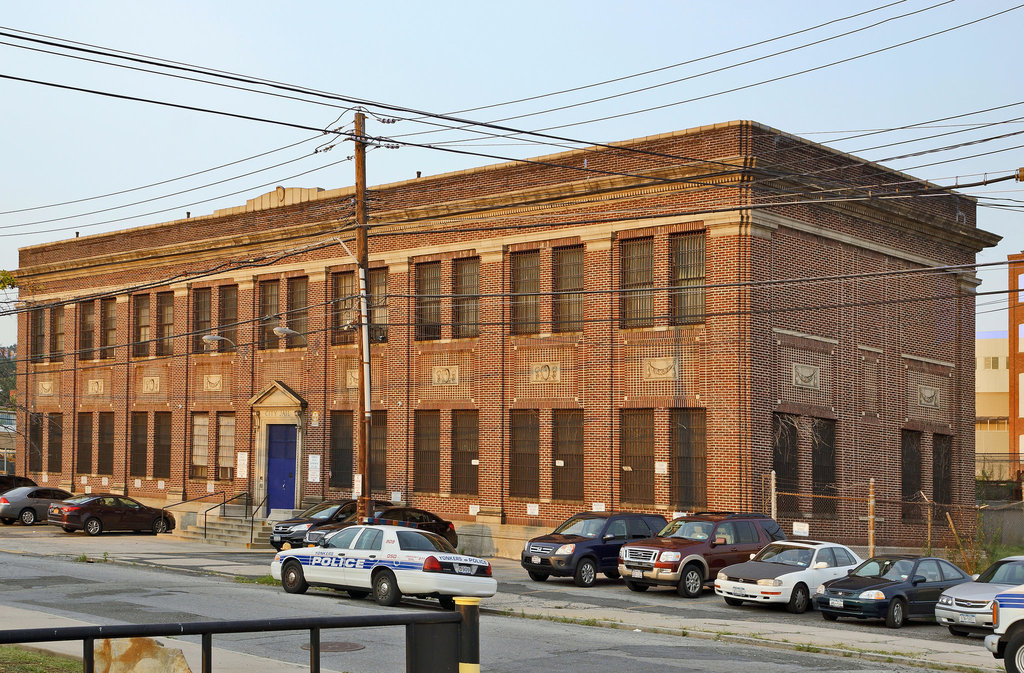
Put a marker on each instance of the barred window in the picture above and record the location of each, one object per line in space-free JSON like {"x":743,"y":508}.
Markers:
{"x":428,"y":301}
{"x":86,"y":330}
{"x":108,"y":327}
{"x":83,"y":458}
{"x":200,"y":318}
{"x":636,"y":455}
{"x":57,"y":334}
{"x":37,"y":334}
{"x":524,"y":453}
{"x":688,"y":277}
{"x":269,"y":307}
{"x":910,"y":473}
{"x":567,"y":454}
{"x":345,"y":309}
{"x":35,"y":442}
{"x":785,"y":461}
{"x":298,"y":311}
{"x":942,"y":469}
{"x":225,"y":446}
{"x":466,"y":302}
{"x":465,"y":451}
{"x":426,"y":451}
{"x":141,"y":334}
{"x":227,"y":318}
{"x":378,"y":449}
{"x":162,"y":444}
{"x":341,"y":449}
{"x":138,"y":459}
{"x":823,"y":467}
{"x":105,"y":445}
{"x":54,"y":442}
{"x":636,"y":282}
{"x":165,"y":323}
{"x":377,"y":301}
{"x":525,"y":289}
{"x":688,"y":436}
{"x":567,"y":271}
{"x":200,"y":445}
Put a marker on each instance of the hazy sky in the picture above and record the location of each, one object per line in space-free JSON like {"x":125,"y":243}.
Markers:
{"x":59,"y":146}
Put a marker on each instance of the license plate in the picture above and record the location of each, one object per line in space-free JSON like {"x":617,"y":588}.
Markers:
{"x":463,"y":569}
{"x":535,"y":559}
{"x":54,"y":509}
{"x":965,"y":619}
{"x":638,"y":574}
{"x":835,"y":602}
{"x":740,"y":591}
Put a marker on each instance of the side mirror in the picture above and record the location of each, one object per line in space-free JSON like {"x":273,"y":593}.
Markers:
{"x":322,"y":542}
{"x":918,"y":579}
{"x":975,"y":576}
{"x":820,"y":565}
{"x":850,"y":571}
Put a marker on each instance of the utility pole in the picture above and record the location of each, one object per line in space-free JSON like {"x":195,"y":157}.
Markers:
{"x":362,"y":259}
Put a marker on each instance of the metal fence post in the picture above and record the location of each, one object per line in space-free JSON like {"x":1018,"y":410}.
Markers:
{"x":88,"y":655}
{"x":871,"y":517}
{"x":775,"y":509}
{"x":469,"y":634}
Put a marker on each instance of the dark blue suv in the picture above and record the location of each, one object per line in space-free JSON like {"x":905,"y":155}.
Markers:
{"x":586,"y":544}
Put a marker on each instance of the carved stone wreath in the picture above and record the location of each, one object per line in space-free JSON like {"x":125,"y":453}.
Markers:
{"x":928,"y":396}
{"x":806,"y":376}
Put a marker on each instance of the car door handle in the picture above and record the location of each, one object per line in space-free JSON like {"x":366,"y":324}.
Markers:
{"x":373,"y":556}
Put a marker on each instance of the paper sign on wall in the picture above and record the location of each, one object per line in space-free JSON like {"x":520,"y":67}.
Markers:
{"x":357,"y":485}
{"x":313,"y":473}
{"x":242,"y":466}
{"x":801,"y":528}
{"x":598,"y":507}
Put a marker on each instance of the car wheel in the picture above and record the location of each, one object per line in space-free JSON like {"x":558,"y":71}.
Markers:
{"x":1014,"y":660}
{"x":896,"y":616}
{"x":68,"y":529}
{"x":586,"y":573}
{"x":953,"y":631}
{"x":93,"y":526}
{"x":292,"y":579}
{"x":612,"y":574}
{"x":28,"y":516}
{"x":692,"y":581}
{"x":633,"y":586}
{"x":447,"y":602}
{"x":829,"y":616}
{"x":798,"y":600}
{"x":160,"y":526}
{"x":7,"y":521}
{"x":357,"y":594}
{"x":385,"y":588}
{"x":537,"y":577}
{"x":729,"y":600}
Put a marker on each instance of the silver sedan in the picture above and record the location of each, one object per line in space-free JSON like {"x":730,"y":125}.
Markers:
{"x":967,"y":608}
{"x":28,"y":504}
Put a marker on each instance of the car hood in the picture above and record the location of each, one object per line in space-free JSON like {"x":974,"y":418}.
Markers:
{"x":666,"y":543}
{"x":558,"y":539}
{"x":854,"y":583}
{"x":976,"y":591}
{"x":760,"y":570}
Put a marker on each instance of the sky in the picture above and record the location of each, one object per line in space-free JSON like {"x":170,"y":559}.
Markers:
{"x":76,"y":162}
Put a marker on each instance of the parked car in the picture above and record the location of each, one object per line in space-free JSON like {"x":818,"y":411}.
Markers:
{"x":893,"y":588}
{"x":388,"y":561}
{"x":967,"y":608}
{"x":9,"y":481}
{"x":1006,"y":641}
{"x":586,"y":544}
{"x":98,"y":512}
{"x":693,"y":549}
{"x":386,"y":515}
{"x":293,"y":531}
{"x":785,"y":572}
{"x":28,"y":503}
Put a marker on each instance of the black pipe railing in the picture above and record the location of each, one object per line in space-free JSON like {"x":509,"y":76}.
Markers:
{"x":198,"y":497}
{"x":252,"y":516}
{"x":435,"y":641}
{"x":222,"y":506}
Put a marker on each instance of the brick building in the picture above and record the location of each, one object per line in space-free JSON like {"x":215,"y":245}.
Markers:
{"x":611,"y":327}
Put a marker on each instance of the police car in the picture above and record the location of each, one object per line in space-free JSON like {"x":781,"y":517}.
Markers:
{"x":387,"y":561}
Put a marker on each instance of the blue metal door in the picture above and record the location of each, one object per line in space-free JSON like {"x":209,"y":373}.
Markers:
{"x":280,"y":466}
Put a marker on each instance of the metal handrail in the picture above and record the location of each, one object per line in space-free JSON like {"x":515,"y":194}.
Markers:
{"x":222,"y":505}
{"x":175,"y":504}
{"x":252,"y":516}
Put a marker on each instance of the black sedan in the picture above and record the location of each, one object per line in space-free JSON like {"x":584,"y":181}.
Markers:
{"x":292,"y":531}
{"x":396,"y":516}
{"x":98,"y":512}
{"x":893,"y":588}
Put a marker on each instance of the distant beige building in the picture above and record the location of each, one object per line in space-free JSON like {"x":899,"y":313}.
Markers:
{"x":993,"y":459}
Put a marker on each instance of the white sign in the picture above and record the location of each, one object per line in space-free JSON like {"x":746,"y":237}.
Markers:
{"x":474,"y":510}
{"x":801,"y":528}
{"x":598,"y":507}
{"x":138,"y":483}
{"x":396,"y":496}
{"x":313,"y":473}
{"x":314,"y":420}
{"x":532,"y":509}
{"x":242,"y":465}
{"x":661,"y":467}
{"x":357,"y":485}
{"x":160,"y":485}
{"x":209,"y":487}
{"x":106,"y":482}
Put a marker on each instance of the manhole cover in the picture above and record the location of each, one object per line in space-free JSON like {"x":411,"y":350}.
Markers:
{"x":336,"y":646}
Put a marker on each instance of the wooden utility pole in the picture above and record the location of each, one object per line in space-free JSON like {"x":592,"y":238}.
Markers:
{"x":362,"y":259}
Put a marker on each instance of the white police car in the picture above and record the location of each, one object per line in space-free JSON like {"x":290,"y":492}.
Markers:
{"x":388,"y":561}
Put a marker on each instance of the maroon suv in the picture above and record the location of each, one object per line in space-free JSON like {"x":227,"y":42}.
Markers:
{"x":691,"y":550}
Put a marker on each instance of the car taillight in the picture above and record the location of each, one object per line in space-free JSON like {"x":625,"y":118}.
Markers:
{"x":70,"y":509}
{"x":487,"y":570}
{"x":451,"y":526}
{"x":431,"y":565}
{"x":3,"y":501}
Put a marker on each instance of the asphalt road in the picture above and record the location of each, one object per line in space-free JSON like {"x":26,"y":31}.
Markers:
{"x":107,"y":593}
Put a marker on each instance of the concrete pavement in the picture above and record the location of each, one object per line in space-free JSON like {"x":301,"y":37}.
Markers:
{"x":556,"y":601}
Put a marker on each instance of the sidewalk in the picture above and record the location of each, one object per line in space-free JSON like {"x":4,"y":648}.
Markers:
{"x":875,"y":643}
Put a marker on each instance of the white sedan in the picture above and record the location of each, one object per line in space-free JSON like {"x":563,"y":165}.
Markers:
{"x":785,"y":572}
{"x":388,"y":561}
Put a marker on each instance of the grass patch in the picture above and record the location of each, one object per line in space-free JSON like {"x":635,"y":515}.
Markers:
{"x":14,"y":659}
{"x":807,"y":648}
{"x":242,"y":579}
{"x":81,"y":558}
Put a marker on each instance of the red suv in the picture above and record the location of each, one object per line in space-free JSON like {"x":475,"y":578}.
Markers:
{"x":691,"y":550}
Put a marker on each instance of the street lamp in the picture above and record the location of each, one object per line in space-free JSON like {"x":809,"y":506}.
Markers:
{"x":211,"y":339}
{"x":286,"y":332}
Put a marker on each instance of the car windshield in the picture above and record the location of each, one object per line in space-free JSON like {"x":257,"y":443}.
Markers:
{"x":688,"y":529}
{"x":895,"y":570}
{"x":1004,"y":572}
{"x":421,"y":540}
{"x":786,"y":555}
{"x":325,"y":510}
{"x":586,"y":526}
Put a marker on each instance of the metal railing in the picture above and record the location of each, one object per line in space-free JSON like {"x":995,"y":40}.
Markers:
{"x":435,"y":641}
{"x":201,"y":497}
{"x":252,"y":515}
{"x":222,"y":505}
